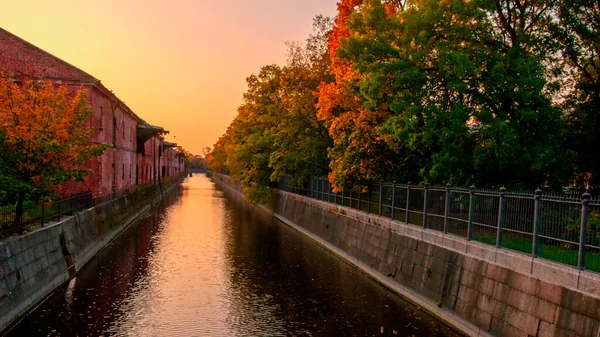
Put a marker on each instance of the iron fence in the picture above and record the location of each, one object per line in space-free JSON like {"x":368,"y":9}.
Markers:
{"x":43,"y":212}
{"x":560,"y":227}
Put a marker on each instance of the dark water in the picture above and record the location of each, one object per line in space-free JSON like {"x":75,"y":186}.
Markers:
{"x":202,"y":266}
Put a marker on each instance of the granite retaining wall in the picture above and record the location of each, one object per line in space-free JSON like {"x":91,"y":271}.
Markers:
{"x":477,"y":288}
{"x":35,"y":264}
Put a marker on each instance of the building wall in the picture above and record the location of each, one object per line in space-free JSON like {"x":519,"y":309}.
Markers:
{"x":112,"y":126}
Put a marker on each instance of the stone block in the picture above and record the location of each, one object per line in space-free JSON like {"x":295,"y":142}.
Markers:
{"x":518,"y":262}
{"x":498,"y":273}
{"x":550,"y":292}
{"x":432,"y":237}
{"x":501,"y":292}
{"x":407,"y":267}
{"x":482,"y":251}
{"x":440,"y":252}
{"x":524,"y":283}
{"x":590,"y":283}
{"x":551,"y":330}
{"x":486,"y":303}
{"x":468,"y":295}
{"x":581,"y":303}
{"x":475,"y":265}
{"x":555,"y":273}
{"x":425,"y":248}
{"x":464,"y":309}
{"x":414,"y":232}
{"x":522,"y":320}
{"x":522,"y":301}
{"x":580,"y":324}
{"x":419,"y":273}
{"x":456,"y":243}
{"x":482,"y":319}
{"x":501,"y":328}
{"x":470,"y":279}
{"x":486,"y":286}
{"x":546,"y":310}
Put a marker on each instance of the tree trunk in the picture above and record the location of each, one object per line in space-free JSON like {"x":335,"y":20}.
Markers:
{"x":19,"y":210}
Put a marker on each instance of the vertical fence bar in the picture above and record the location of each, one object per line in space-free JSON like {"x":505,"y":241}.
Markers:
{"x":58,"y":211}
{"x":407,"y":202}
{"x":536,"y":222}
{"x":380,"y":196}
{"x":369,"y":198}
{"x":42,"y":204}
{"x":425,"y":205}
{"x":393,"y":200}
{"x":335,"y":198}
{"x":583,"y":233}
{"x":359,"y":197}
{"x":446,"y":209}
{"x":471,"y":212}
{"x":501,"y":211}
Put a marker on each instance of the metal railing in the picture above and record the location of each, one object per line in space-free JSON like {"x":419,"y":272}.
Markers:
{"x":560,"y":227}
{"x":40,"y":213}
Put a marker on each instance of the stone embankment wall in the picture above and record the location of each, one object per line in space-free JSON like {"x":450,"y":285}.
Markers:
{"x":35,"y":264}
{"x":479,"y":289}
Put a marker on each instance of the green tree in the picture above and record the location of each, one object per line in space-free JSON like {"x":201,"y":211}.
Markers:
{"x":466,"y":84}
{"x":578,"y":32}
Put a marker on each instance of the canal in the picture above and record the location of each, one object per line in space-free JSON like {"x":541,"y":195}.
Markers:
{"x":200,"y":265}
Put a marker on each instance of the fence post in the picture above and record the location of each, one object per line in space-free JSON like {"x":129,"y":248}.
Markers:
{"x":501,"y":209}
{"x":471,"y":212}
{"x":536,"y":222}
{"x":425,"y":205}
{"x":58,"y":211}
{"x":380,"y":196}
{"x":42,"y":225}
{"x":583,"y":233}
{"x":393,"y":200}
{"x":407,"y":201}
{"x":369,"y":198}
{"x":335,"y":198}
{"x":447,"y":209}
{"x":359,"y":194}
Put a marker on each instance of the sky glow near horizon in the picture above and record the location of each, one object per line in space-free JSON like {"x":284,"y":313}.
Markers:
{"x":178,"y":64}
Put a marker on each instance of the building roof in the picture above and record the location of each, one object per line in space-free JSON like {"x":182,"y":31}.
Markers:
{"x":18,"y":56}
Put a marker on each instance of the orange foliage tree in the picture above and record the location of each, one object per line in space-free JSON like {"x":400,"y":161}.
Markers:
{"x":44,"y":137}
{"x":359,"y":153}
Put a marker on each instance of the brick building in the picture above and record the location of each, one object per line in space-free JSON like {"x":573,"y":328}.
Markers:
{"x":136,"y":152}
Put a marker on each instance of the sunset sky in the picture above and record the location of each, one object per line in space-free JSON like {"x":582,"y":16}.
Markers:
{"x":179,"y":64}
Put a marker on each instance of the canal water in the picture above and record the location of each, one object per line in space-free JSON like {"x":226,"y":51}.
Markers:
{"x":200,"y":265}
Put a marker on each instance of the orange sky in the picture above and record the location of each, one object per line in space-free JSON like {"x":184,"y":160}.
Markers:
{"x":180,"y":64}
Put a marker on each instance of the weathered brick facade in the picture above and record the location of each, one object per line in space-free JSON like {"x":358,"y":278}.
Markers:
{"x":122,"y":165}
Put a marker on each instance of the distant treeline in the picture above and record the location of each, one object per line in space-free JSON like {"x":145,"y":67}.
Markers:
{"x":483,"y":92}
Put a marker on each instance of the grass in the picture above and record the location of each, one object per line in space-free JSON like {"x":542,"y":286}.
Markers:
{"x":562,"y":254}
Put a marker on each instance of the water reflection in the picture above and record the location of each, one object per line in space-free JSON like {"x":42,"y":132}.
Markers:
{"x":203,"y":266}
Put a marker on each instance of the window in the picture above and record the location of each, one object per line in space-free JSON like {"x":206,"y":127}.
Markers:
{"x":123,"y":129}
{"x":129,"y":171}
{"x":123,"y":173}
{"x":101,"y":118}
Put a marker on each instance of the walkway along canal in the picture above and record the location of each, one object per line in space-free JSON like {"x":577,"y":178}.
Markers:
{"x":202,"y":265}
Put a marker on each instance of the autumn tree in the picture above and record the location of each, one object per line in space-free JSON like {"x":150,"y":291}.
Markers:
{"x":359,"y":153}
{"x":44,"y":137}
